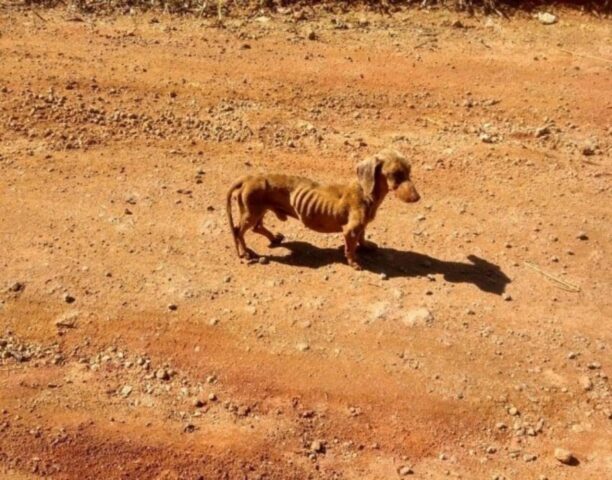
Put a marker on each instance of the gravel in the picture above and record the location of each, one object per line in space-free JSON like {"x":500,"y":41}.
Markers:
{"x":546,"y":18}
{"x":585,"y":383}
{"x":564,"y":456}
{"x":67,"y":320}
{"x":405,"y":470}
{"x":162,"y":374}
{"x":126,"y":390}
{"x":317,"y":446}
{"x":418,"y":317}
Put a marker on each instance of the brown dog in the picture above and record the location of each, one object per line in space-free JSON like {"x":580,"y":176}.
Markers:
{"x":323,"y":208}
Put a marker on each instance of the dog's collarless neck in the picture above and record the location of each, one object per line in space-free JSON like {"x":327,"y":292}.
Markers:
{"x":372,"y":204}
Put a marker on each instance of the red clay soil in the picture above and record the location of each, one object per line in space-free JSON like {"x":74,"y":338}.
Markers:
{"x":134,"y":344}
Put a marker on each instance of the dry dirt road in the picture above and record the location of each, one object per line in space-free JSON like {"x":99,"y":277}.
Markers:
{"x":135,"y":345}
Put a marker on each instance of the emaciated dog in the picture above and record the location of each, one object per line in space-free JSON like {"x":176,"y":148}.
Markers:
{"x":345,"y":208}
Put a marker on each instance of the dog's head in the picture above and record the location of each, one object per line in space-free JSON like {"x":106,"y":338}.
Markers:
{"x":387,"y":170}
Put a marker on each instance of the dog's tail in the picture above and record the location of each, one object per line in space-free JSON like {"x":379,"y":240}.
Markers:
{"x":236,"y":186}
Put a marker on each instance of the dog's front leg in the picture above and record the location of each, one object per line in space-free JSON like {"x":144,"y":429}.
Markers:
{"x":366,"y":244}
{"x":351,"y":240}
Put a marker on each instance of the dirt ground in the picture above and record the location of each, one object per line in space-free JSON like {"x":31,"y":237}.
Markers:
{"x":134,"y":344}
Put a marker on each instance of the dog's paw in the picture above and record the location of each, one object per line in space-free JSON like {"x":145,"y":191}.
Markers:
{"x":355,"y":265}
{"x":278,"y":239}
{"x":250,"y":255}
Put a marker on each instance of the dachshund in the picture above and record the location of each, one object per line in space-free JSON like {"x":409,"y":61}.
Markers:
{"x":346,"y":208}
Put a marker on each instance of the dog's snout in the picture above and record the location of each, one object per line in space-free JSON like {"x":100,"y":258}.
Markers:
{"x":407,"y":192}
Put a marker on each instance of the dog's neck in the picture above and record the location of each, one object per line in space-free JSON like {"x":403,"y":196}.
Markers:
{"x":380,"y":192}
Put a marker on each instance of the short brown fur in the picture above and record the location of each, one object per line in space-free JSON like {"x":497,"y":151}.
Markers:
{"x":345,"y":208}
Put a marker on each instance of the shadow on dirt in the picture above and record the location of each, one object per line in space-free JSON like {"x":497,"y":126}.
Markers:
{"x":487,"y":276}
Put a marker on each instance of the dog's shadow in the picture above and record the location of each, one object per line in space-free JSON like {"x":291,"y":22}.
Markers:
{"x":487,"y":276}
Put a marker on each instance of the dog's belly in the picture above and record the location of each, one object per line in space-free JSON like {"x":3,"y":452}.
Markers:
{"x":317,"y":210}
{"x":322,"y":224}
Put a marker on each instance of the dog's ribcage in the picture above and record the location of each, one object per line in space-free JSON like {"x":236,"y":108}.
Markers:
{"x":314,"y":208}
{"x":307,"y":202}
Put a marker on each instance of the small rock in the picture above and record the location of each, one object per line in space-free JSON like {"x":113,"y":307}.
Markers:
{"x":172,"y":307}
{"x":311,"y":34}
{"x":530,"y":457}
{"x":487,"y":138}
{"x":546,"y":18}
{"x":162,"y":374}
{"x":542,"y":132}
{"x":125,"y":391}
{"x":263,"y":260}
{"x":513,"y":411}
{"x":588,"y":150}
{"x":197,"y":403}
{"x":507,"y":297}
{"x":17,"y":287}
{"x":303,"y":346}
{"x":212,"y":397}
{"x":405,"y":470}
{"x":67,"y":320}
{"x":564,"y":456}
{"x":418,"y":317}
{"x":317,"y":447}
{"x":586,"y":383}
{"x":594,"y":366}
{"x":582,"y":236}
{"x":69,"y":298}
{"x":243,"y":411}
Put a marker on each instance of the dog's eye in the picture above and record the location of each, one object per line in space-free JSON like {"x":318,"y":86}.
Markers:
{"x":399,"y":177}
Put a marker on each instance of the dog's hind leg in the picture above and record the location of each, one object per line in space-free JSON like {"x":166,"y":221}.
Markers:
{"x":246,"y":223}
{"x":275,"y":239}
{"x":248,"y":220}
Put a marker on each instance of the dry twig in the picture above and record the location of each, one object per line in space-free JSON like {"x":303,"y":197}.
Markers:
{"x":586,"y":55}
{"x":559,"y":283}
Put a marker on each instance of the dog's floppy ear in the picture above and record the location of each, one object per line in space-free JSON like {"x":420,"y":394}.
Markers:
{"x":366,"y":174}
